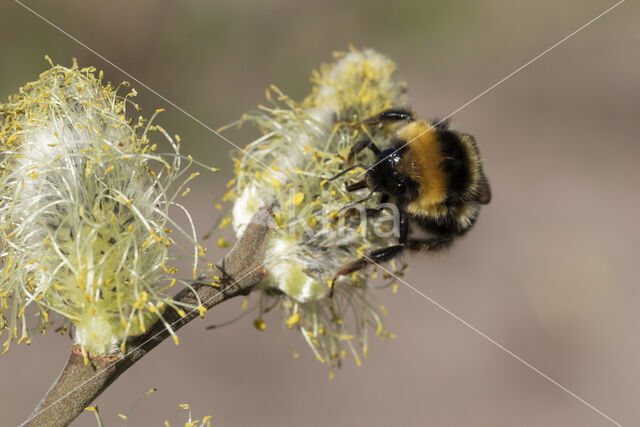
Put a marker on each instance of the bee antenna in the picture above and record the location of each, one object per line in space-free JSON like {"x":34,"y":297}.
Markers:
{"x":359,"y":165}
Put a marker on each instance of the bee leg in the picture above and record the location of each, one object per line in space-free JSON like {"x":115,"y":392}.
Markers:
{"x":350,"y":210}
{"x":361,"y":145}
{"x":403,"y":227}
{"x":359,"y":185}
{"x":375,"y":257}
{"x":373,"y":212}
{"x":356,"y":186}
{"x":429,"y":244}
{"x":389,"y":116}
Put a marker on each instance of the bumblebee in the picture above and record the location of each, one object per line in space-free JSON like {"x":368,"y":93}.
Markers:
{"x":432,"y":174}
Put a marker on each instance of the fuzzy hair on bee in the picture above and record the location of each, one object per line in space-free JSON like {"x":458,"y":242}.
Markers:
{"x":434,"y":176}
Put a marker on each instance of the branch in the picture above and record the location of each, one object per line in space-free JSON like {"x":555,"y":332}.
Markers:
{"x":79,"y":384}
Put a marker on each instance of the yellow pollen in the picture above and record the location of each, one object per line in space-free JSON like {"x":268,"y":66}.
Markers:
{"x":202,"y":310}
{"x":260,"y":324}
{"x":297,"y":199}
{"x":293,"y":319}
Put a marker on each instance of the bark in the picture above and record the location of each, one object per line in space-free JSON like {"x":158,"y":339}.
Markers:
{"x":79,"y":383}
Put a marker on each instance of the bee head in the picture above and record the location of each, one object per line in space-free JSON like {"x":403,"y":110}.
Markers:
{"x":385,"y":177}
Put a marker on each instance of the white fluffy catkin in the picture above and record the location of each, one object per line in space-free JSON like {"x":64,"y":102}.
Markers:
{"x":84,"y":211}
{"x":288,"y":169}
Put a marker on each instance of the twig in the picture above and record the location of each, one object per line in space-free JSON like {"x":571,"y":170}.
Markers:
{"x":79,"y":384}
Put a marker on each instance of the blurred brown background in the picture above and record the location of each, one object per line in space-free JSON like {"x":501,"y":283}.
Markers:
{"x":548,"y":272}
